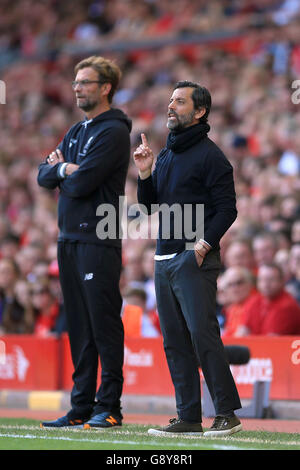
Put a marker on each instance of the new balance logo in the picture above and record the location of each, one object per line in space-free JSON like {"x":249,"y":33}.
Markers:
{"x":111,"y":420}
{"x":88,"y":276}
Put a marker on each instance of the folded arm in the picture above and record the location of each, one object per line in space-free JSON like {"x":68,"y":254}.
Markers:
{"x":99,"y":164}
{"x":54,"y":170}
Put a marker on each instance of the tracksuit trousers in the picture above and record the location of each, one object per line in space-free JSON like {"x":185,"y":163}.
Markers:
{"x":89,"y":276}
{"x":186,"y":301}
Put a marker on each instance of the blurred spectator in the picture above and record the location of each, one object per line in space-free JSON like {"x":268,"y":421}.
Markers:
{"x":9,"y":246}
{"x":222,"y":300}
{"x":27,"y":258}
{"x":293,"y":284}
{"x":295,"y":235}
{"x":133,"y":269}
{"x":239,"y":253}
{"x":264,"y":248}
{"x":239,"y":283}
{"x":15,"y":317}
{"x":268,"y":210}
{"x":279,"y":224}
{"x":289,"y":206}
{"x":148,"y":269}
{"x":273,"y":311}
{"x":46,"y":306}
{"x":281,"y":259}
{"x":55,"y":289}
{"x":138,"y":321}
{"x":39,"y":270}
{"x":24,"y":298}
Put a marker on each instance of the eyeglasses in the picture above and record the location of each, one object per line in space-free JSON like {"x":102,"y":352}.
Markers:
{"x":237,"y":283}
{"x":83,"y":83}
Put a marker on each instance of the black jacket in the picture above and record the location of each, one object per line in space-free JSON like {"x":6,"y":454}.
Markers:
{"x":191,"y":170}
{"x":101,"y":148}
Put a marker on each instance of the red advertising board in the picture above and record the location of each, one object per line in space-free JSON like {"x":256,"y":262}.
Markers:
{"x":29,"y":363}
{"x":274,"y":359}
{"x":45,"y":364}
{"x":145,"y":367}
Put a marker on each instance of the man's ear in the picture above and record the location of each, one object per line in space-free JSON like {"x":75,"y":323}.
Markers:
{"x":200,"y":113}
{"x":105,"y":89}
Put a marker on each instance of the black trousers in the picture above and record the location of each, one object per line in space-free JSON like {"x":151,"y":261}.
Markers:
{"x":186,"y":301}
{"x":89,"y":276}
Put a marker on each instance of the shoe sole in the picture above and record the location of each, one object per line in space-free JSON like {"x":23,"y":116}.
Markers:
{"x":89,"y":426}
{"x":76,"y":426}
{"x":226,"y":432}
{"x":71,"y":426}
{"x":158,"y":432}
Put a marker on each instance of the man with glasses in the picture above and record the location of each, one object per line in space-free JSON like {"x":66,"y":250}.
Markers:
{"x":239,"y":283}
{"x":89,"y":167}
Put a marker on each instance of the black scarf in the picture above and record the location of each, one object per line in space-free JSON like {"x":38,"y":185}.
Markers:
{"x":185,"y":138}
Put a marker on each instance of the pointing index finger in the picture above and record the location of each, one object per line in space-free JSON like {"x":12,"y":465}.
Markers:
{"x":144,"y":140}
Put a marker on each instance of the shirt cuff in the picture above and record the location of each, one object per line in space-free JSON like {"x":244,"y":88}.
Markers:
{"x":202,"y":240}
{"x":61,"y":170}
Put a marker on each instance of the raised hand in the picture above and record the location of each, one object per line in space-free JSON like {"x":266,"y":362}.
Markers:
{"x":143,"y":158}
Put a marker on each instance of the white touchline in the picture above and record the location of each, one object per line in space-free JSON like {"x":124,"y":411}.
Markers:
{"x":113,"y":441}
{"x":161,"y":442}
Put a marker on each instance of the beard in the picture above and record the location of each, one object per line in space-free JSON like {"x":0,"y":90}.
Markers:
{"x":86,"y":105}
{"x":180,"y":122}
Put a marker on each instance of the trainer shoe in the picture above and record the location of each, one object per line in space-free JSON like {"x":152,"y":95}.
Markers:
{"x":63,"y":422}
{"x":179,"y":426}
{"x":105,"y":419}
{"x":224,"y":426}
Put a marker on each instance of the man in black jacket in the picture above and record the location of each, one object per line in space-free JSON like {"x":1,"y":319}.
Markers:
{"x":191,"y":172}
{"x":89,"y":167}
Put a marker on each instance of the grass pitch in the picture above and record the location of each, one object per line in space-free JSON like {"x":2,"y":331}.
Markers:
{"x":25,"y":434}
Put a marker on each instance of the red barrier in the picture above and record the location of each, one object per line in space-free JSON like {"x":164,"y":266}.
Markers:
{"x":145,"y":367}
{"x":29,"y":363}
{"x":275,"y":359}
{"x":45,"y":363}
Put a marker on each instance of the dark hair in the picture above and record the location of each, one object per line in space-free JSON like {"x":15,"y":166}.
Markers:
{"x":266,"y":235}
{"x":136,"y":292}
{"x":274,"y":266}
{"x":201,"y":96}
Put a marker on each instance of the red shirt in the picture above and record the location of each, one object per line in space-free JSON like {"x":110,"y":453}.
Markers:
{"x":279,"y":316}
{"x":235,"y":315}
{"x":46,"y":320}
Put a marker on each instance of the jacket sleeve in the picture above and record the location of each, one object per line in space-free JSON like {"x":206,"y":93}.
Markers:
{"x":48,"y":175}
{"x":220,"y":185}
{"x":104,"y":157}
{"x":146,"y":194}
{"x":147,"y":191}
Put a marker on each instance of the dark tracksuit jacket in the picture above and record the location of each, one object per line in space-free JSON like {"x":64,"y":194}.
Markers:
{"x":191,"y":169}
{"x":89,"y":266}
{"x":101,"y":147}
